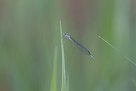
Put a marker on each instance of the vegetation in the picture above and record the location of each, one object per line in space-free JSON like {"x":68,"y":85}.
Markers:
{"x":32,"y":54}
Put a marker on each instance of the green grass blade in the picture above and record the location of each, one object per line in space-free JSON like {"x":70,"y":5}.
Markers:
{"x":54,"y":75}
{"x":63,"y":87}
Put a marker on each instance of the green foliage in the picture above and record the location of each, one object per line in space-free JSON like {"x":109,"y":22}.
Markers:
{"x":29,"y":32}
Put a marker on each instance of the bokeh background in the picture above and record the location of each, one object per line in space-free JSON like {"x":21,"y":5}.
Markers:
{"x":29,"y":33}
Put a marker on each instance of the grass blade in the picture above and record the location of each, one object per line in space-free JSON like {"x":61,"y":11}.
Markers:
{"x":118,"y":51}
{"x":63,"y":87}
{"x":54,"y":75}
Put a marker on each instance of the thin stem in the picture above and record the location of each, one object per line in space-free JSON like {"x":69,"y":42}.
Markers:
{"x":118,"y":51}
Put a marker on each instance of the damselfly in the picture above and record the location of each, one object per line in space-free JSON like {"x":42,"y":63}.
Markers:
{"x":86,"y":51}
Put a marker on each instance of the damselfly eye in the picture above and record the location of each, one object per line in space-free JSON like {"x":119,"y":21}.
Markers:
{"x":64,"y":33}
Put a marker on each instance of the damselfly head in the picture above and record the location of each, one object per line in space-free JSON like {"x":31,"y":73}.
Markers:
{"x":64,"y":34}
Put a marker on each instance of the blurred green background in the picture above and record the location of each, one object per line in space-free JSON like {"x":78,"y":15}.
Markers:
{"x":29,"y":33}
